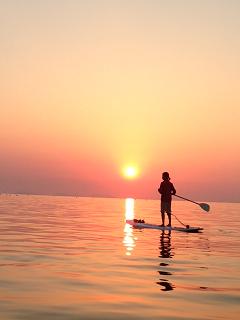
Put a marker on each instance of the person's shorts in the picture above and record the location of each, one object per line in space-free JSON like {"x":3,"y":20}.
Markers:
{"x":166,"y":207}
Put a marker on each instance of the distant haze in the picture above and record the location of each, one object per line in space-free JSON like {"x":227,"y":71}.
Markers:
{"x":88,"y":87}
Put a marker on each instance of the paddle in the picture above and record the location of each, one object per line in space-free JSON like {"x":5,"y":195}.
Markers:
{"x":204,"y":206}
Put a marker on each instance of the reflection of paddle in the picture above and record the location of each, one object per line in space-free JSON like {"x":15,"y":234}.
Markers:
{"x":204,"y":206}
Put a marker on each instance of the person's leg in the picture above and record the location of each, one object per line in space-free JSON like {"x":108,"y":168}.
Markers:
{"x":163,"y":213}
{"x":169,"y":220}
{"x":169,"y":213}
{"x":163,"y":218}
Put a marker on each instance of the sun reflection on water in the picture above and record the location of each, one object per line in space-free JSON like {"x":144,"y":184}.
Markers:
{"x":129,"y":209}
{"x":129,"y":240}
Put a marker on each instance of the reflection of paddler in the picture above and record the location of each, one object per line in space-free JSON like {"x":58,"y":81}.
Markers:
{"x":167,"y":285}
{"x":165,"y":252}
{"x":165,"y":244}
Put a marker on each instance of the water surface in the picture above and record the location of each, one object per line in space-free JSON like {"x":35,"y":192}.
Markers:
{"x":74,"y":258}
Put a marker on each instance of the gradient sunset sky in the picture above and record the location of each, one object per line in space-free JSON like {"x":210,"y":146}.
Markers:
{"x":89,"y":87}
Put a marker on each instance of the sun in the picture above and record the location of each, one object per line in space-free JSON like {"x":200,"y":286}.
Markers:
{"x":130,"y":172}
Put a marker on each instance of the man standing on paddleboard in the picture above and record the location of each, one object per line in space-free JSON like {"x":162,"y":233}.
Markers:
{"x":166,"y":190}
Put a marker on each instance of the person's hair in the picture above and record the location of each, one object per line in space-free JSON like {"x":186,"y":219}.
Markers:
{"x":165,"y":176}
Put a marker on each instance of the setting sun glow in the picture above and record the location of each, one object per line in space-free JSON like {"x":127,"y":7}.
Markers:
{"x":98,"y":92}
{"x":130,"y":172}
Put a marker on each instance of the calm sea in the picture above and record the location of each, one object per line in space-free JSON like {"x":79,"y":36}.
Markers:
{"x":74,"y":258}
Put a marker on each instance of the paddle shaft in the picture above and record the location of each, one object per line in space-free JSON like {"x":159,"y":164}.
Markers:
{"x":186,"y":199}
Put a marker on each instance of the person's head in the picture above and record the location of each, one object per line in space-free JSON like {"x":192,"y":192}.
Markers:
{"x":165,"y":176}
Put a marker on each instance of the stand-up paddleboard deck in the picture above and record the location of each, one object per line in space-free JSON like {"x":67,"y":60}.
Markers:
{"x":141,"y":225}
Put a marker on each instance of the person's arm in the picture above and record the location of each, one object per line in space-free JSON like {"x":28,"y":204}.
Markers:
{"x":160,"y":189}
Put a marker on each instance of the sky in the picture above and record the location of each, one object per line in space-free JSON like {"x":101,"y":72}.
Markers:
{"x":90,"y":87}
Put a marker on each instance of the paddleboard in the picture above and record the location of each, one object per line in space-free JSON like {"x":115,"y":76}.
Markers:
{"x":141,"y":225}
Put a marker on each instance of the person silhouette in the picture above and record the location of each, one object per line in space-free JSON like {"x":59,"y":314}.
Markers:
{"x":166,"y":190}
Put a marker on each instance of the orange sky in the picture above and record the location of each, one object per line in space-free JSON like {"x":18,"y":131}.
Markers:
{"x":88,"y":88}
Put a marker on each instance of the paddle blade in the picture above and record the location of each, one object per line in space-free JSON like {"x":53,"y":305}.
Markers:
{"x":205,"y":206}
